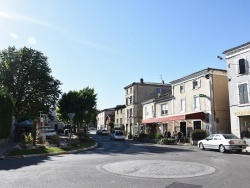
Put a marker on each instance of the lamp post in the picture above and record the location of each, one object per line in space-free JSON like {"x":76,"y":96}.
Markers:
{"x":71,"y":116}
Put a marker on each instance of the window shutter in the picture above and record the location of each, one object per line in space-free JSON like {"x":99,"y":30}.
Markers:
{"x":245,"y":93}
{"x":241,"y":94}
{"x":242,"y":67}
{"x":199,"y":83}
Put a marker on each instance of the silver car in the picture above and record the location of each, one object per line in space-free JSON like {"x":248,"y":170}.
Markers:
{"x":117,"y":135}
{"x":223,"y":142}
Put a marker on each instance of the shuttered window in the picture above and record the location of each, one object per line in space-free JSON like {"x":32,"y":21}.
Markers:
{"x":243,"y":93}
{"x":242,"y":66}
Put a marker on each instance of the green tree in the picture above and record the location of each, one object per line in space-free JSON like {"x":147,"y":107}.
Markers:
{"x":6,"y":113}
{"x":27,"y":76}
{"x":82,"y":103}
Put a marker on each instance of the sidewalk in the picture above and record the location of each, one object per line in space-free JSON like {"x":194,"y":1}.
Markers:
{"x":6,"y":147}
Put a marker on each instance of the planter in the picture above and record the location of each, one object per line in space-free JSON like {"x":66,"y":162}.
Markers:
{"x":194,"y":142}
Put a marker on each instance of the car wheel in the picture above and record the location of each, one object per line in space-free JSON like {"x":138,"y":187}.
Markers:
{"x":222,"y":149}
{"x":201,"y":146}
{"x":239,"y":150}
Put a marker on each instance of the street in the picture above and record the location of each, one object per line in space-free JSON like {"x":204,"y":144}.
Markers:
{"x":117,"y":164}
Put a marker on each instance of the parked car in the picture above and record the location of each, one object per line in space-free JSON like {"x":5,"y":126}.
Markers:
{"x":92,"y":128}
{"x":49,"y":132}
{"x":104,"y":132}
{"x":223,"y":142}
{"x":117,"y":135}
{"x":98,"y":131}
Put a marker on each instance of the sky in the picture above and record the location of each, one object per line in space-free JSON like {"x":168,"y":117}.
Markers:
{"x":109,"y":44}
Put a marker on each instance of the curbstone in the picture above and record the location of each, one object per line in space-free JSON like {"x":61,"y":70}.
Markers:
{"x":48,"y":154}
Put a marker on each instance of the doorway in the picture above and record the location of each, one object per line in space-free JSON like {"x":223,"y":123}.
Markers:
{"x":183,"y":128}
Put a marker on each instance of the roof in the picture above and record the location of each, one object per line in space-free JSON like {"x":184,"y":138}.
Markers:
{"x":237,"y":47}
{"x":197,"y":74}
{"x":147,"y":84}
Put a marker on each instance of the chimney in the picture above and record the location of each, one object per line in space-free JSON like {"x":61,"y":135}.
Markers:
{"x":141,"y":80}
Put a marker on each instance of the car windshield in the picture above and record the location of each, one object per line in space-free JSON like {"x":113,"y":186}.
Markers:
{"x":230,"y":136}
{"x":119,"y":133}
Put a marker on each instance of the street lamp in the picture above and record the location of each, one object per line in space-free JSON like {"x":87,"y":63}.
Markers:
{"x":71,"y":116}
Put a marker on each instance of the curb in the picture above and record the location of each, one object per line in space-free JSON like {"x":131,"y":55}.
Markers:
{"x":48,"y":154}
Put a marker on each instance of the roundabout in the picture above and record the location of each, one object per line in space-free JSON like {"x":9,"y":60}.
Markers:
{"x":158,"y":169}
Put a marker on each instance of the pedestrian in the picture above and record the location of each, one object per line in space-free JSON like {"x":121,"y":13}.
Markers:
{"x":179,"y":137}
{"x":165,"y":134}
{"x":168,"y":135}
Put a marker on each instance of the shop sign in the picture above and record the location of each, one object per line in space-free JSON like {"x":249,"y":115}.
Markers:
{"x":242,"y":113}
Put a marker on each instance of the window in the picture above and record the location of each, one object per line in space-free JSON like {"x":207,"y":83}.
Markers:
{"x":217,"y":137}
{"x":117,"y":121}
{"x":196,"y":102}
{"x":164,"y":109}
{"x":126,"y":101}
{"x":195,"y":84}
{"x":120,"y":120}
{"x":127,"y":113}
{"x":153,"y":111}
{"x":127,"y":91}
{"x":130,"y":99}
{"x":182,"y":105}
{"x":182,"y":88}
{"x":242,"y":66}
{"x":131,"y":112}
{"x":131,"y":90}
{"x":243,"y":93}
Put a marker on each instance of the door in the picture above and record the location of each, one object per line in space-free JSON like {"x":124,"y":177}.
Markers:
{"x":183,"y":128}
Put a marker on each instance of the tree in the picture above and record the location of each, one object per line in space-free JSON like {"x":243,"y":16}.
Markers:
{"x":6,"y":113}
{"x":27,"y":76}
{"x":82,"y":103}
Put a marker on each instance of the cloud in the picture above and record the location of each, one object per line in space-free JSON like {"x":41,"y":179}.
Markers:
{"x":13,"y":35}
{"x":32,"y":40}
{"x":22,"y":18}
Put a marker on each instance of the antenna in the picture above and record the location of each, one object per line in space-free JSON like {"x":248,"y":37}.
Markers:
{"x":161,"y":77}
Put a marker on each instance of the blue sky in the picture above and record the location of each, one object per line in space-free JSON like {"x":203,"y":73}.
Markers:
{"x":108,"y":44}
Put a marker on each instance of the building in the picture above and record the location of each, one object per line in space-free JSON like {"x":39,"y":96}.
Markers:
{"x":154,"y":110}
{"x":198,"y":101}
{"x":135,"y":94}
{"x":237,"y":60}
{"x":104,"y":118}
{"x":120,"y":116}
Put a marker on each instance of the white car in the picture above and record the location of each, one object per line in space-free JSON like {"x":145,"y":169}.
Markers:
{"x":117,"y":135}
{"x":50,"y":132}
{"x":223,"y":142}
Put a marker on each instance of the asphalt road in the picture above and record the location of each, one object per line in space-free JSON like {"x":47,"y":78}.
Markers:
{"x":130,"y":164}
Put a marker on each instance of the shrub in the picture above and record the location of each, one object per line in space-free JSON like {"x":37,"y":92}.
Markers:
{"x":142,"y":136}
{"x":55,"y":139}
{"x":28,"y":138}
{"x":198,"y":134}
{"x":158,"y":136}
{"x":82,"y":136}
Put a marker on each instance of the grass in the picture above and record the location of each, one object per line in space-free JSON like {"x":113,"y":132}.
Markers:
{"x":49,"y":150}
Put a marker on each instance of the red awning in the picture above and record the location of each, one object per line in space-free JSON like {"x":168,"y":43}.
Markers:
{"x":196,"y":115}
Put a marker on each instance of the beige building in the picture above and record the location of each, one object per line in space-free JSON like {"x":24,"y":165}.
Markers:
{"x":135,"y":94}
{"x":120,"y":117}
{"x":154,"y":110}
{"x":199,"y":101}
